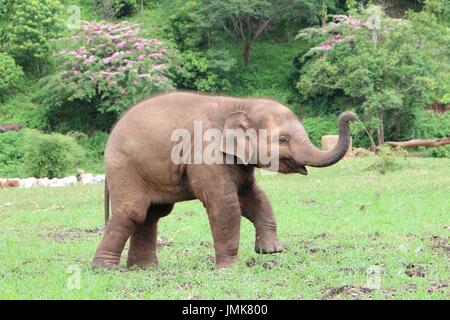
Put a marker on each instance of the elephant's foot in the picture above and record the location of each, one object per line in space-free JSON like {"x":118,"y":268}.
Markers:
{"x":268,"y":245}
{"x":142,"y":263}
{"x":99,"y":263}
{"x":225,"y":262}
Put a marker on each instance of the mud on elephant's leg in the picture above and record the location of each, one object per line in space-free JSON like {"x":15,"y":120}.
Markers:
{"x":255,"y":206}
{"x":142,"y":252}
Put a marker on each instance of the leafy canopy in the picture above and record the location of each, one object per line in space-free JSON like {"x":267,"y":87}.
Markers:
{"x":384,"y":68}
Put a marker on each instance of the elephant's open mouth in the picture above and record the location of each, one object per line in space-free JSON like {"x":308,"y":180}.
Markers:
{"x":294,"y":166}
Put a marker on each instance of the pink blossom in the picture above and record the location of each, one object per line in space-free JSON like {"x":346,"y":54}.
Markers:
{"x":158,"y":67}
{"x":354,"y":23}
{"x":337,"y":38}
{"x":90,"y":60}
{"x":325,"y":46}
{"x":155,"y":55}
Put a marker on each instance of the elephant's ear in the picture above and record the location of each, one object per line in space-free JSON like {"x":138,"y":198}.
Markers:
{"x":238,"y":139}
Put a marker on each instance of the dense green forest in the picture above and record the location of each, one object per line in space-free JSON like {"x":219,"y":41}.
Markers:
{"x":70,"y":68}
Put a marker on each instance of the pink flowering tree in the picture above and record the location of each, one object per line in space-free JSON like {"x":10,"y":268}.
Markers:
{"x":109,"y":68}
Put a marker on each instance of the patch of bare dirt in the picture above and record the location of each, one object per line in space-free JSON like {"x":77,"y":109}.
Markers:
{"x":374,"y":235}
{"x":74,"y":234}
{"x":348,"y":270}
{"x":441,"y":243}
{"x":355,"y":292}
{"x":164,"y":242}
{"x":205,"y":244}
{"x":415,"y":270}
{"x":314,"y":250}
{"x":323,"y":235}
{"x":438,"y":286}
{"x":269,"y":264}
{"x":250,"y":263}
{"x":307,"y":201}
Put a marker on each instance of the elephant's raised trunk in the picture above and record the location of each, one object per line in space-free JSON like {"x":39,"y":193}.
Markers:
{"x":314,"y":157}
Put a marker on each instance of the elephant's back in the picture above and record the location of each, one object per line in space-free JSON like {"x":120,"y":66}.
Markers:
{"x":141,"y":140}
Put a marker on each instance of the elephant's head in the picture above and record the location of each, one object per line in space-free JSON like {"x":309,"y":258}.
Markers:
{"x":285,"y":130}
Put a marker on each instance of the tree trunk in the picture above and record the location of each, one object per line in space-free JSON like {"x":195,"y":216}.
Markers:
{"x":142,"y":13}
{"x":246,"y":55}
{"x":397,"y":128}
{"x":380,"y":130}
{"x":420,"y":143}
{"x":323,"y":21}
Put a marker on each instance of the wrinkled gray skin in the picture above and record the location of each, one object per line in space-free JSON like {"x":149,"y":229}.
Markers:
{"x":144,"y":184}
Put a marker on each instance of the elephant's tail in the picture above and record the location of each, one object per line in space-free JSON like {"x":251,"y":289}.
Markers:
{"x":106,"y":203}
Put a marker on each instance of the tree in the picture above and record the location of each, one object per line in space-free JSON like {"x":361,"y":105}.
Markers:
{"x":245,"y":20}
{"x":26,"y":28}
{"x":385,"y":68}
{"x":189,"y":28}
{"x":108,"y":69}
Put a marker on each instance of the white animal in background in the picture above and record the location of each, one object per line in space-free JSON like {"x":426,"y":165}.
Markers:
{"x":70,"y":181}
{"x":55,"y":182}
{"x":99,"y":178}
{"x":83,"y":178}
{"x":43,"y":182}
{"x":28,"y":182}
{"x":87,"y":178}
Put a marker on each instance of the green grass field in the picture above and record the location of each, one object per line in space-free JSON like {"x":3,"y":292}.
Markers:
{"x":346,"y":230}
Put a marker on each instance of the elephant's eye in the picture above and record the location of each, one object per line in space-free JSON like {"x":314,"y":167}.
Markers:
{"x":284,"y":139}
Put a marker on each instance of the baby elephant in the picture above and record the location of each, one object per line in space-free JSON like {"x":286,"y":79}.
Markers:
{"x":183,"y":146}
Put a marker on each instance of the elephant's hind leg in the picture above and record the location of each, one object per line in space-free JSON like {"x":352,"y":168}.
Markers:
{"x":255,"y":207}
{"x":129,"y":209}
{"x":142,"y":252}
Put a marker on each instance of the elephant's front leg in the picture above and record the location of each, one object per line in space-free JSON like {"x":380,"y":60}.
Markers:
{"x":255,"y":206}
{"x":225,"y":218}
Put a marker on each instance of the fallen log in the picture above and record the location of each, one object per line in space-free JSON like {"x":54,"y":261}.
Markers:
{"x":420,"y":143}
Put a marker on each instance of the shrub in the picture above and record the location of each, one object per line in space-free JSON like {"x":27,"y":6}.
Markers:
{"x":387,"y":159}
{"x":187,"y":27}
{"x":10,"y":74}
{"x":429,"y":125}
{"x":316,"y":127}
{"x":439,"y":152}
{"x":111,"y":70}
{"x":26,"y":28}
{"x":94,"y":148}
{"x":198,"y":73}
{"x":11,"y":153}
{"x":51,"y":155}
